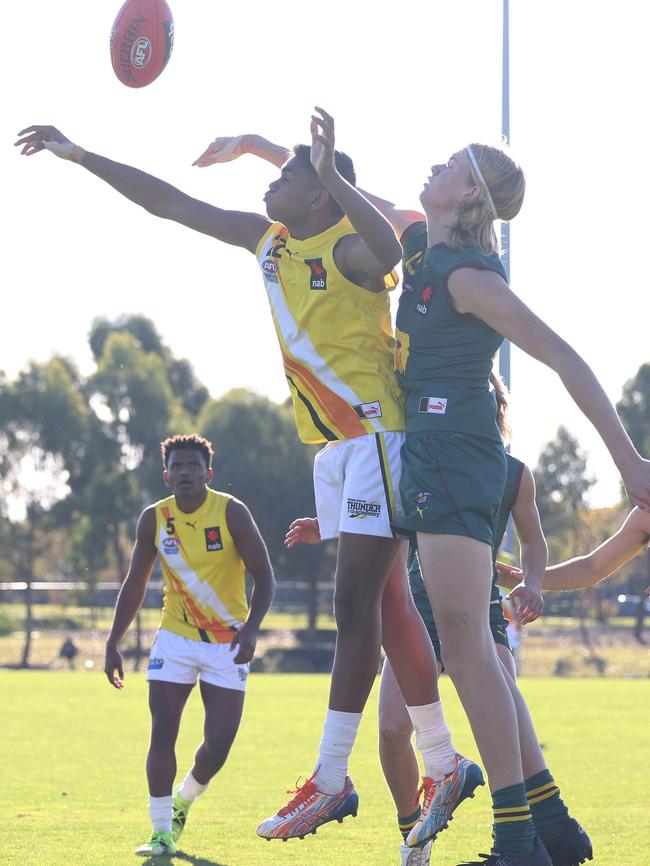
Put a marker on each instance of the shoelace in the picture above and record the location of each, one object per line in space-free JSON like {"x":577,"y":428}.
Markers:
{"x":302,"y":792}
{"x":428,"y":786}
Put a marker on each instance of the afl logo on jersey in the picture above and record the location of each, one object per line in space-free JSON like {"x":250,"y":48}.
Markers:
{"x":170,"y":546}
{"x":270,"y":269}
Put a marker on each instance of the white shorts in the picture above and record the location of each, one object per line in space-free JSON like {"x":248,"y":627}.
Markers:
{"x":356,"y":485}
{"x":177,"y":659}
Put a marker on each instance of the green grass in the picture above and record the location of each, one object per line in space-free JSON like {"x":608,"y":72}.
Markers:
{"x":74,"y":618}
{"x":72,"y":755}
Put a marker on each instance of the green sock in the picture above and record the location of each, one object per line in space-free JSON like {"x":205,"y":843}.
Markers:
{"x":514,"y":831}
{"x":407,"y":823}
{"x":547,"y":807}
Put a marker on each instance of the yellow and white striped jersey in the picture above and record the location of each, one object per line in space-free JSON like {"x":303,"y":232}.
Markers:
{"x":204,"y":575}
{"x":335,"y":336}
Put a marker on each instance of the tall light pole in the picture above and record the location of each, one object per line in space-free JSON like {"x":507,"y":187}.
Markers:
{"x":504,"y":352}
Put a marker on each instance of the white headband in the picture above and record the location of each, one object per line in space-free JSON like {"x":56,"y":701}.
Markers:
{"x":481,"y":179}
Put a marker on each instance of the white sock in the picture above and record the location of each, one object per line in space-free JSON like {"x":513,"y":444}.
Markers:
{"x":433,"y":739}
{"x":339,"y":732}
{"x":191,"y":789}
{"x":160,"y":809}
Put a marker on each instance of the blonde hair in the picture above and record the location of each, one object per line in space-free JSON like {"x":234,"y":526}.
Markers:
{"x":505,"y":184}
{"x":503,"y":406}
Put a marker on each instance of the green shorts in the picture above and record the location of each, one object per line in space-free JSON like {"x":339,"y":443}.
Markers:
{"x":452,"y":484}
{"x":498,"y":621}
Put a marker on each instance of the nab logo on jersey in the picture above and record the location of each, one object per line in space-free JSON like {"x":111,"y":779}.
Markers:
{"x":213,"y":538}
{"x":318,"y":276}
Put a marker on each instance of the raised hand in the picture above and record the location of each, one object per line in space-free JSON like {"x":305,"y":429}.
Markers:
{"x":223,"y":149}
{"x":322,"y":144}
{"x":303,"y":531}
{"x":37,"y":138}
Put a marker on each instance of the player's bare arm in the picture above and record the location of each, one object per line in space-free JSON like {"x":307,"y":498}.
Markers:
{"x":486,"y":295}
{"x":364,"y":258}
{"x":230,"y":147}
{"x":227,"y":148}
{"x":131,"y":594}
{"x":252,"y":549}
{"x":159,"y":198}
{"x":612,"y":554}
{"x":534,"y":552}
{"x":375,"y":250}
{"x":582,"y":572}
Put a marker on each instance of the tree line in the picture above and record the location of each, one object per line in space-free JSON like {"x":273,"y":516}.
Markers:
{"x":80,"y":455}
{"x":80,"y":458}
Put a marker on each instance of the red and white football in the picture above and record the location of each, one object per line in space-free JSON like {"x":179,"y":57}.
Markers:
{"x":142,"y":39}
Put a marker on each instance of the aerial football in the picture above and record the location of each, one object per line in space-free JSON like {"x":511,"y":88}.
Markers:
{"x":142,"y":39}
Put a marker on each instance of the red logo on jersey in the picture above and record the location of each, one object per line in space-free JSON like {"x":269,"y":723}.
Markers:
{"x":318,"y":276}
{"x":213,"y":538}
{"x":426,"y":294}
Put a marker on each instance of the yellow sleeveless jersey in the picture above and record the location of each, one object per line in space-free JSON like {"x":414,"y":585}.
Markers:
{"x":336,"y":338}
{"x":205,"y":591}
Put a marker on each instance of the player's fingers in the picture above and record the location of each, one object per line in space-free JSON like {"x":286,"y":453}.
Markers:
{"x":327,"y":117}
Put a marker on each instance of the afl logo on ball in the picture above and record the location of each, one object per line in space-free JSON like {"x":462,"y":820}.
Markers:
{"x":141,"y":52}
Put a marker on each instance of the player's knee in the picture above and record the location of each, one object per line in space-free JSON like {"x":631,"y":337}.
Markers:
{"x":394,"y":733}
{"x":463,"y":657}
{"x":164,"y":727}
{"x":218,"y":745}
{"x":355,"y":607}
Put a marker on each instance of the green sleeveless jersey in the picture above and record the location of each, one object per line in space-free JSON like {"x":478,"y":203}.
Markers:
{"x":443,"y":358}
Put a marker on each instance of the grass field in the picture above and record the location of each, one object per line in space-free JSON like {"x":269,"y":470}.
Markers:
{"x":72,"y":755}
{"x":552,"y":645}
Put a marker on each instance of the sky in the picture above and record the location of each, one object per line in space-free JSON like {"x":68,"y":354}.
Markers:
{"x":408,"y":84}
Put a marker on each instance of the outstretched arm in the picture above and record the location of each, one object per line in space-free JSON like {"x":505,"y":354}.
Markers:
{"x":585,"y":571}
{"x":486,"y":295}
{"x":612,"y":554}
{"x":131,"y":594}
{"x":534,"y":552}
{"x":157,"y":197}
{"x":252,"y":549}
{"x":227,"y":148}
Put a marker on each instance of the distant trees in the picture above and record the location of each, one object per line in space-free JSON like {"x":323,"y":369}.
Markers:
{"x":634,"y":409}
{"x":93,"y":444}
{"x":562,"y":486}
